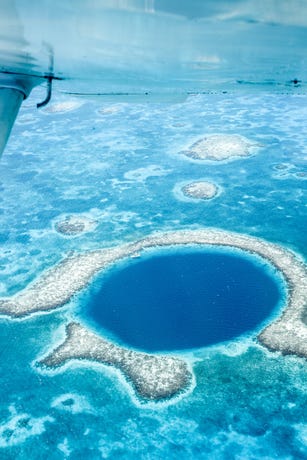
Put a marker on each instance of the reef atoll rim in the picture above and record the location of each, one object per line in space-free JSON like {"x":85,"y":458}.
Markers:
{"x":221,"y":147}
{"x":156,"y":376}
{"x":56,"y":286}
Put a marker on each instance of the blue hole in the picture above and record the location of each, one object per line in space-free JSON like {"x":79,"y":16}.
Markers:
{"x":183,"y":299}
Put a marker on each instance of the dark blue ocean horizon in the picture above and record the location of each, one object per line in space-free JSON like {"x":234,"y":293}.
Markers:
{"x":183,"y":300}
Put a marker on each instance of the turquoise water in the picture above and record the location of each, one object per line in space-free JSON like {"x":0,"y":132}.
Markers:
{"x":183,"y":300}
{"x":118,"y":165}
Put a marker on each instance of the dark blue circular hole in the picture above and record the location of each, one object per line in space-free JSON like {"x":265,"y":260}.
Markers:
{"x":183,"y":299}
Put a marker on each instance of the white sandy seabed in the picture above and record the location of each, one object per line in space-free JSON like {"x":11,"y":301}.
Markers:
{"x":157,"y":377}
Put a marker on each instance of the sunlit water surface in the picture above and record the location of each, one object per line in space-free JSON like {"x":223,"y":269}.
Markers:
{"x":118,"y":165}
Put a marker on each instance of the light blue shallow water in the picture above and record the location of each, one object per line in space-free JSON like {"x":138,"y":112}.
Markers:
{"x":120,"y":168}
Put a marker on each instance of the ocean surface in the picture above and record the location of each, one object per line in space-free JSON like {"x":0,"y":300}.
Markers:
{"x":119,"y":165}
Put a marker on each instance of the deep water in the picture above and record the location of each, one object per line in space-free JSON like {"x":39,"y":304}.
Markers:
{"x":117,"y":164}
{"x":181,"y":300}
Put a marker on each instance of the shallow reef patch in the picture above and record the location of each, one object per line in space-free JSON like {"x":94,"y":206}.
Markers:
{"x":221,"y":147}
{"x":74,"y":225}
{"x":200,"y":190}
